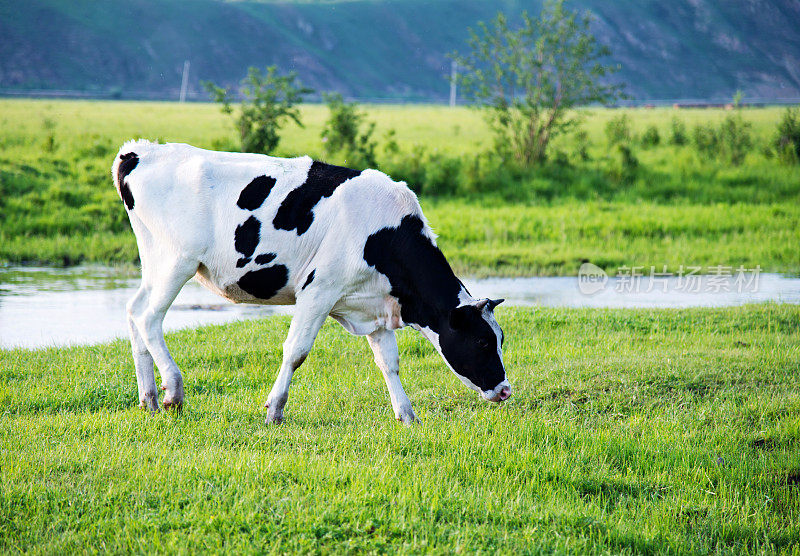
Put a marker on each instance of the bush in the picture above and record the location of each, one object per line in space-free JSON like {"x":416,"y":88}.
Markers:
{"x":49,"y":127}
{"x":442,"y":175}
{"x":787,"y":141}
{"x":225,"y":144}
{"x":625,"y":165}
{"x":582,"y":146}
{"x":269,"y":101}
{"x":651,"y":137}
{"x":705,"y":139}
{"x":618,"y":130}
{"x":677,"y":132}
{"x":343,"y":133}
{"x":735,"y":140}
{"x":730,"y":142}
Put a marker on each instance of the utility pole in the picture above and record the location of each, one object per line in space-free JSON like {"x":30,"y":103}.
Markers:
{"x":453,"y":79}
{"x":185,"y":80}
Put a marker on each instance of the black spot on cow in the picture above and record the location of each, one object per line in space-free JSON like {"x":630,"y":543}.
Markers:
{"x":295,"y":212}
{"x":427,"y":290}
{"x":242,"y":262}
{"x":127,"y":162}
{"x":265,"y":258}
{"x":247,"y":236}
{"x":255,"y":192}
{"x":264,"y":283}
{"x":417,"y":270}
{"x":309,"y":279}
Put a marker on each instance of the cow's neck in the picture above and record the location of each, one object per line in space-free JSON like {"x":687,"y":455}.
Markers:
{"x":420,"y":277}
{"x":432,"y":291}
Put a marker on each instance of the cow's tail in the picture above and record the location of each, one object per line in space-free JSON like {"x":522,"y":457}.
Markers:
{"x":126,"y":160}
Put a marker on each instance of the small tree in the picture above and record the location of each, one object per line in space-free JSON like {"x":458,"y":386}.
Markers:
{"x":651,"y":137}
{"x":730,"y":142}
{"x":618,"y":130}
{"x":268,"y":101}
{"x":677,"y":132}
{"x":787,"y":140}
{"x":528,"y":79}
{"x":343,"y":133}
{"x":735,"y":140}
{"x":737,"y":98}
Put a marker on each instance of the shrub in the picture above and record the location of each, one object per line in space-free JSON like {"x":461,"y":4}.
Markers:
{"x":705,"y":139}
{"x":735,"y":140}
{"x":730,"y":142}
{"x":343,"y":132}
{"x":49,"y":127}
{"x":390,"y":145}
{"x":582,"y":145}
{"x":226,"y":144}
{"x":269,"y":101}
{"x":625,"y":165}
{"x":618,"y":130}
{"x":441,"y":175}
{"x":651,"y":137}
{"x":677,"y":132}
{"x":787,"y":141}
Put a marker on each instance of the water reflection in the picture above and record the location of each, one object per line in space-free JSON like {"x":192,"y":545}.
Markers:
{"x":42,"y":307}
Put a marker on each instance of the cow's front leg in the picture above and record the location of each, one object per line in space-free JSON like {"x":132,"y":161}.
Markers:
{"x":384,"y":345}
{"x":310,"y":314}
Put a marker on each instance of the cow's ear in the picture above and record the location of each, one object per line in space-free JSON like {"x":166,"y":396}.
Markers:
{"x":459,"y":317}
{"x":494,"y":303}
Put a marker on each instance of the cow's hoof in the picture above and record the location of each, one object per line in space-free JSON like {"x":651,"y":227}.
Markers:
{"x":149,"y":403}
{"x":274,"y":418}
{"x":407,"y":417}
{"x":175,"y":405}
{"x":173,"y":399}
{"x":274,"y":409}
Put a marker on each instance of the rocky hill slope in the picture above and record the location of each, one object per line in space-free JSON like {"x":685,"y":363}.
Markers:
{"x":371,"y":49}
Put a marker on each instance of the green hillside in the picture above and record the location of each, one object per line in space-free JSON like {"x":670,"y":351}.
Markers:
{"x":397,"y":49}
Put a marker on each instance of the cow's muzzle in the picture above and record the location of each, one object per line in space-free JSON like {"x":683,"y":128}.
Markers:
{"x":501,"y":393}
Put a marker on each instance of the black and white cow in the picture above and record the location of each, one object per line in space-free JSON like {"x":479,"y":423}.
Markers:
{"x":332,"y":241}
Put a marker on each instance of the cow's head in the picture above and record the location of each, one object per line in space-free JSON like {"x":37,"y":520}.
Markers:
{"x":472,"y":344}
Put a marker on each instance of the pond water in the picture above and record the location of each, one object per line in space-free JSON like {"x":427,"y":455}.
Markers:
{"x":41,"y":307}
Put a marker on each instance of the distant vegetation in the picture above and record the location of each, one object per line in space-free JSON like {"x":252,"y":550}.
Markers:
{"x":349,"y":134}
{"x":787,"y":140}
{"x":527,"y":78}
{"x":269,"y":101}
{"x":668,"y":203}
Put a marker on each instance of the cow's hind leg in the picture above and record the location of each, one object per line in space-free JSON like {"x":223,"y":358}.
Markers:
{"x":142,"y":360}
{"x":311,"y":310}
{"x":161,"y":283}
{"x":384,"y":346}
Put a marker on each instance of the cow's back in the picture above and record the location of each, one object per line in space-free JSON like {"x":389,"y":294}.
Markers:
{"x":260,"y":227}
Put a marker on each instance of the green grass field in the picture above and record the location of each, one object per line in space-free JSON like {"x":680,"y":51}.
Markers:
{"x":58,"y":206}
{"x":628,"y":432}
